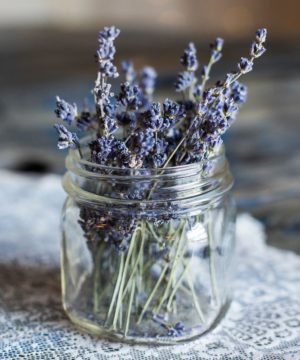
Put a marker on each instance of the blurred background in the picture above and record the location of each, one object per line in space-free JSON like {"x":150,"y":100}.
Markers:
{"x":47,"y":48}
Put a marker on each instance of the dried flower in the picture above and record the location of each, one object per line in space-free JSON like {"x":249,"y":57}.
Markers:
{"x":128,"y":70}
{"x":148,"y":78}
{"x":65,"y":111}
{"x":245,"y":65}
{"x":189,"y":58}
{"x":130,"y":96}
{"x":66,"y":139}
{"x":184,"y":80}
{"x":257,"y":50}
{"x":261,"y":35}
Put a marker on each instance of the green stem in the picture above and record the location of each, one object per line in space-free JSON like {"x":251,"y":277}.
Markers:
{"x":177,"y":256}
{"x":120,"y":291}
{"x":195,"y":300}
{"x":135,"y":265}
{"x":120,"y":273}
{"x":129,"y":308}
{"x":212,"y":269}
{"x":175,"y":288}
{"x":97,"y":278}
{"x":153,"y":293}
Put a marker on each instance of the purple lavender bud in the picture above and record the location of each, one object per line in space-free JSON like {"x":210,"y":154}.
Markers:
{"x":218,"y":44}
{"x":101,"y":149}
{"x":176,"y":330}
{"x":130,"y":96}
{"x":257,"y":50}
{"x":261,"y":35}
{"x":238,"y":92}
{"x":66,"y":139}
{"x":110,"y":124}
{"x":143,"y":142}
{"x":108,"y":69}
{"x":189,"y":58}
{"x":197,"y":91}
{"x":109,"y":33}
{"x":148,"y":78}
{"x":85,"y":120}
{"x":153,"y":118}
{"x":159,"y":153}
{"x":184,"y":80}
{"x":122,"y":154}
{"x":245,"y":65}
{"x":110,"y":109}
{"x":215,"y":56}
{"x":229,"y":78}
{"x":230,"y":107}
{"x":127,"y":118}
{"x":200,"y":108}
{"x":65,"y":111}
{"x":128,"y":71}
{"x":106,"y":51}
{"x":172,"y":109}
{"x":102,"y":91}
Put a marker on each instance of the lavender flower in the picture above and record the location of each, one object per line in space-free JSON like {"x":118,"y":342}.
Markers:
{"x":108,"y":69}
{"x":238,"y":92}
{"x":184,"y":80}
{"x":172,"y":110}
{"x":66,"y":139}
{"x":109,"y":151}
{"x":148,"y":77}
{"x":130,"y":96}
{"x":128,"y":70}
{"x":153,"y":117}
{"x":261,"y":35}
{"x":216,"y":50}
{"x":85,"y":120}
{"x":176,"y":330}
{"x":189,"y":58}
{"x":172,"y":330}
{"x":245,"y":65}
{"x":143,"y":142}
{"x":257,"y":50}
{"x":65,"y":111}
{"x":109,"y":33}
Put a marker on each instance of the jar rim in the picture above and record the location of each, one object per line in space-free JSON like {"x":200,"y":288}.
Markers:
{"x":73,"y":154}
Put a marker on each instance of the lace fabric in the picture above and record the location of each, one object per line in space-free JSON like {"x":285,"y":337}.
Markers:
{"x":263,"y":322}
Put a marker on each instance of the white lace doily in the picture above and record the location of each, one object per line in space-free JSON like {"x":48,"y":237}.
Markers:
{"x":263,"y":322}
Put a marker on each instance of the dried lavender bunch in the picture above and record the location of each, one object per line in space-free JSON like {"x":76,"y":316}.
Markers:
{"x":148,"y":133}
{"x":131,"y":131}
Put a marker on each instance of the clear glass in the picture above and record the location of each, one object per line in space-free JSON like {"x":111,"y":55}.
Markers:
{"x":146,"y":254}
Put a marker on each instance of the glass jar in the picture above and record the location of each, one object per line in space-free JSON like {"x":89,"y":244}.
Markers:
{"x":146,"y":253}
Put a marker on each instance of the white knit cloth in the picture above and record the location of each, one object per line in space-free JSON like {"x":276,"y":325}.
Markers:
{"x":263,"y":322}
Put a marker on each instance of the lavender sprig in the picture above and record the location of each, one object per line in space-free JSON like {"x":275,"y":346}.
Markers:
{"x":189,"y":60}
{"x":65,"y":111}
{"x":148,"y":79}
{"x":66,"y":139}
{"x":102,"y":90}
{"x":215,"y":56}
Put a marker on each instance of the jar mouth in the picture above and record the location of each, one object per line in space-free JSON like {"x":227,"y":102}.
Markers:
{"x":186,"y":186}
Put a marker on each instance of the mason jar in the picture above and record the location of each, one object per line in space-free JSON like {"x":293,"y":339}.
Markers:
{"x":146,"y":253}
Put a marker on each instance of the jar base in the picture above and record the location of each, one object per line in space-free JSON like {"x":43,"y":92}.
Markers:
{"x":106,"y":334}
